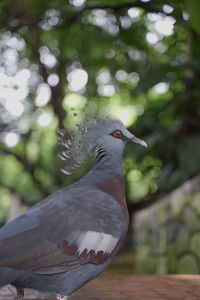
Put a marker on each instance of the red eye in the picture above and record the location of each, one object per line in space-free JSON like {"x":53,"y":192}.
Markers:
{"x":117,"y":133}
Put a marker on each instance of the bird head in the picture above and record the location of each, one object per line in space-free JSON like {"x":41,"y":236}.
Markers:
{"x":106,"y":135}
{"x":113,"y":136}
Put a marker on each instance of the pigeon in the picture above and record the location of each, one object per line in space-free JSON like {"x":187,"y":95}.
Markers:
{"x":70,"y":237}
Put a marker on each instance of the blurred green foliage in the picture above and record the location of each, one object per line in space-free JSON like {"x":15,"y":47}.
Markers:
{"x":138,"y":61}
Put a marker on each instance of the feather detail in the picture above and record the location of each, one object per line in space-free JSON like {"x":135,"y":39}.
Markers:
{"x":80,"y":142}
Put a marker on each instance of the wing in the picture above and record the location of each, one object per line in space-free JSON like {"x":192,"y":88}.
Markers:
{"x":62,"y":232}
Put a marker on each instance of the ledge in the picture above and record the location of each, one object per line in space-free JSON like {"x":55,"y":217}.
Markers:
{"x":127,"y":287}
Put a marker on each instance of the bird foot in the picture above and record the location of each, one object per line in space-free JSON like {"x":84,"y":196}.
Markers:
{"x":61,"y":297}
{"x":20,"y":294}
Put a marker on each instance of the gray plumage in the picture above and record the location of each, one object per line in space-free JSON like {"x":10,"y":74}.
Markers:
{"x":71,"y":236}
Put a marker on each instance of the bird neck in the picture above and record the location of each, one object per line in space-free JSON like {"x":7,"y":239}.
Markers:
{"x":106,"y":175}
{"x":109,"y":161}
{"x":110,"y":178}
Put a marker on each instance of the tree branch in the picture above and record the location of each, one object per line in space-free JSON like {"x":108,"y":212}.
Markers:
{"x":155,"y":197}
{"x":145,"y":5}
{"x":57,"y":91}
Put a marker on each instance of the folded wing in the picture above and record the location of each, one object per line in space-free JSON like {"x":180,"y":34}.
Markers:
{"x":61,"y":232}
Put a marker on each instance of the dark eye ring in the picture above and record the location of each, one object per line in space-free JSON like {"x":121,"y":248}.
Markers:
{"x":117,"y":134}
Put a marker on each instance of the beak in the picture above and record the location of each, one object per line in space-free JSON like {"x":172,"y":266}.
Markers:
{"x":134,"y":139}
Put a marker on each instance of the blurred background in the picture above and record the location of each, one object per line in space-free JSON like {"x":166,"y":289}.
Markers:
{"x":138,"y":61}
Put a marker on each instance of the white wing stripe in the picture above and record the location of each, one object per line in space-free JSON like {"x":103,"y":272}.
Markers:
{"x":97,"y":241}
{"x":90,"y":239}
{"x":80,"y":238}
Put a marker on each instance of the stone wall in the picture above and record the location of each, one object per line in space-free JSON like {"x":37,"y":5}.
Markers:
{"x":167,"y":234}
